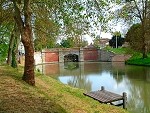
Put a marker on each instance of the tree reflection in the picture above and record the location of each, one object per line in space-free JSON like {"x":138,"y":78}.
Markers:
{"x":71,"y":65}
{"x":118,"y":75}
{"x":118,"y":71}
{"x":78,"y":80}
{"x":139,"y":101}
{"x":139,"y":86}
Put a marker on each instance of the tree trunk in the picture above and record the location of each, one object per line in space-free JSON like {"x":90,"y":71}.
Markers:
{"x":14,"y":63}
{"x":144,"y":51}
{"x":14,"y":57}
{"x":144,"y":48}
{"x":26,"y":39}
{"x":23,"y":21}
{"x":11,"y":43}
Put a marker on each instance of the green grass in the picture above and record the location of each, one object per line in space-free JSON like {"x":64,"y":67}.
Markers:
{"x":19,"y":97}
{"x":139,"y":61}
{"x":136,"y":58}
{"x":48,"y":96}
{"x":119,"y":50}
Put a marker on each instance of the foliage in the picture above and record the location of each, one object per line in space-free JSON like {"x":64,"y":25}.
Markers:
{"x":46,"y":31}
{"x":84,"y":43}
{"x":134,"y":37}
{"x":73,"y":42}
{"x":6,"y":17}
{"x":97,"y":42}
{"x":48,"y":20}
{"x":137,"y":11}
{"x":3,"y":52}
{"x":60,"y":18}
{"x":117,"y":33}
{"x":4,"y":40}
{"x":139,"y":61}
{"x":67,"y":43}
{"x":100,"y":14}
{"x":116,"y":41}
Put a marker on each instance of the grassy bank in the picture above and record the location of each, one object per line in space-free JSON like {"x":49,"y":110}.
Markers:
{"x":136,"y":58}
{"x":48,"y":96}
{"x":139,"y":61}
{"x":119,"y":50}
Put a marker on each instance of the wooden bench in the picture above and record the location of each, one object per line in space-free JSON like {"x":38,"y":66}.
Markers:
{"x":104,"y":96}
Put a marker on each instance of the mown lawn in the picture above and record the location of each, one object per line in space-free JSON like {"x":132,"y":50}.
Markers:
{"x":48,"y":96}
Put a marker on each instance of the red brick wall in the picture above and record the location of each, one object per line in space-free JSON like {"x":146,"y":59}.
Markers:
{"x":90,"y":54}
{"x":51,"y":56}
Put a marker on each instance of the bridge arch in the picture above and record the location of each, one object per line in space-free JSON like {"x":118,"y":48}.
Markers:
{"x":70,"y":54}
{"x":71,"y":58}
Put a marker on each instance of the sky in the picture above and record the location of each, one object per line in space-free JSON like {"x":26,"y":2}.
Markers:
{"x":103,"y":35}
{"x":118,"y":27}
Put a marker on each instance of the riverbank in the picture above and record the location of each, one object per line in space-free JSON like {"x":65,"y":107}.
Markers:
{"x":48,"y":96}
{"x":139,"y":62}
{"x":137,"y":59}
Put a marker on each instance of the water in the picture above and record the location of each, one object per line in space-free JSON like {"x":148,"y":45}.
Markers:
{"x":115,"y":77}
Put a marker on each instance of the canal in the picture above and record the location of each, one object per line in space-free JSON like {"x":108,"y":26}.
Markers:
{"x":115,"y":77}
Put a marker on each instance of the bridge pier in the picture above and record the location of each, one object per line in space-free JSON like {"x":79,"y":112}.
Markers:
{"x":81,"y":55}
{"x":61,"y":56}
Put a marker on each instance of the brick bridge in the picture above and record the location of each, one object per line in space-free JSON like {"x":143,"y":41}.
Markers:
{"x":76,"y":55}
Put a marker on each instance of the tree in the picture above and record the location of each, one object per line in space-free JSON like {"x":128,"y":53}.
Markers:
{"x":46,"y":33}
{"x":22,"y":16}
{"x":3,"y":48}
{"x":6,"y":28}
{"x":116,"y":40}
{"x":12,"y":57}
{"x":138,"y":11}
{"x":67,"y":19}
{"x":67,"y":43}
{"x":84,"y":43}
{"x":99,"y":13}
{"x":68,"y":15}
{"x":27,"y":13}
{"x":97,"y":41}
{"x":134,"y":37}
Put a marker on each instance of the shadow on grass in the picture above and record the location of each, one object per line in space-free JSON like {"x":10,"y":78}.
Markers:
{"x":18,"y":96}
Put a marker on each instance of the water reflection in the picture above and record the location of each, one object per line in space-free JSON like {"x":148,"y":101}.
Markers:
{"x":71,"y":65}
{"x":116,"y":77}
{"x":77,"y":77}
{"x":139,"y":99}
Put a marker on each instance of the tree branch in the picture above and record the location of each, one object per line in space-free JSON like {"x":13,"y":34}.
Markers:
{"x":17,"y":16}
{"x":27,"y":12}
{"x":140,"y":15}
